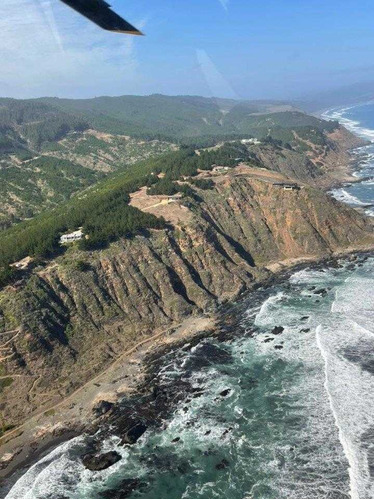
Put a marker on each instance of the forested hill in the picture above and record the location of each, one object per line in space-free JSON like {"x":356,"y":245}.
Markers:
{"x":28,"y":125}
{"x":184,"y":117}
{"x":33,"y":124}
{"x":51,"y":148}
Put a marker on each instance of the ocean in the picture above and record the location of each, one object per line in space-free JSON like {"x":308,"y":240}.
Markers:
{"x":360,"y":121}
{"x":281,"y":406}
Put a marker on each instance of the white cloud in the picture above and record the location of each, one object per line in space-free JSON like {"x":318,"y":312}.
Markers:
{"x":48,"y":49}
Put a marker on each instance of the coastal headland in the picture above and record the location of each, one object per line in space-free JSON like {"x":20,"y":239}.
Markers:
{"x":77,"y":340}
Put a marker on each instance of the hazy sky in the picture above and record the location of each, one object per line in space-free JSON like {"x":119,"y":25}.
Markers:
{"x":233,"y":48}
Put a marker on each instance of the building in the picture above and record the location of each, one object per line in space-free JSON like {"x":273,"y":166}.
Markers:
{"x":71,"y":237}
{"x":287,"y":187}
{"x":220,"y":170}
{"x":250,"y":141}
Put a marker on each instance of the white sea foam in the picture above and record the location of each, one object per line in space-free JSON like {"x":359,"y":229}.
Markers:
{"x":60,"y":473}
{"x":346,"y":341}
{"x":264,"y":317}
{"x":317,"y":443}
{"x":283,"y":426}
{"x":352,"y":125}
{"x":342,"y":194}
{"x":311,"y":277}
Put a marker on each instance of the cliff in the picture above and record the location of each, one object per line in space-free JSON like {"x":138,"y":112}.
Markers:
{"x":321,"y":164}
{"x":68,"y":321}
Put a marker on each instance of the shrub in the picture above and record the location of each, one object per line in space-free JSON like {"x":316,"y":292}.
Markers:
{"x":204,"y":184}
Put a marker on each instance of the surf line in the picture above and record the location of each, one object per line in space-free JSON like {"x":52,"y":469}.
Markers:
{"x":348,"y":452}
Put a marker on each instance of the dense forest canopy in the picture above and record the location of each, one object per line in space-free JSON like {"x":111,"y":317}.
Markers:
{"x":178,"y":118}
{"x":104,"y":211}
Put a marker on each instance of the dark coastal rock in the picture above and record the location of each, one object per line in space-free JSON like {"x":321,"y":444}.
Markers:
{"x":101,"y":408}
{"x":277,"y":330}
{"x":101,"y":462}
{"x":134,"y":434}
{"x":206,"y":354}
{"x":225,"y":393}
{"x":322,"y":292}
{"x":227,"y":431}
{"x":223,"y":464}
{"x":197,"y":392}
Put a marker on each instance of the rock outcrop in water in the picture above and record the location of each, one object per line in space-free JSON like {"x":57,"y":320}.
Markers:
{"x":63,"y":325}
{"x":101,"y":462}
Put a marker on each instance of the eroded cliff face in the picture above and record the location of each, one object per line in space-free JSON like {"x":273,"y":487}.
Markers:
{"x":321,"y":165}
{"x":64,"y":325}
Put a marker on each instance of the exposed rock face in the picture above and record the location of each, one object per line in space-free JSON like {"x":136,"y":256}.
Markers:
{"x":102,"y":408}
{"x":101,"y":462}
{"x":320,"y":164}
{"x":135,"y":433}
{"x":290,"y":163}
{"x":72,"y":324}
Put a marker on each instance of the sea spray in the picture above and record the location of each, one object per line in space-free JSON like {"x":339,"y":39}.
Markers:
{"x":257,"y":419}
{"x":346,"y":445}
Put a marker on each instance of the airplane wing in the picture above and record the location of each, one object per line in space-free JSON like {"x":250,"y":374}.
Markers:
{"x":99,"y":12}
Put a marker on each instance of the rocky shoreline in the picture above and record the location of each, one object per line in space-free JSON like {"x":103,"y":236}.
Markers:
{"x":150,"y":402}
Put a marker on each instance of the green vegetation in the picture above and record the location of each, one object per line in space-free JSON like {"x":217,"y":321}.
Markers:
{"x":82,"y":266}
{"x":43,"y":182}
{"x":203,"y":184}
{"x":182,"y":118}
{"x":50,"y":413}
{"x":5,"y":428}
{"x":104,"y":211}
{"x":5,"y":382}
{"x":7,"y":274}
{"x":36,"y":122}
{"x":164,"y":187}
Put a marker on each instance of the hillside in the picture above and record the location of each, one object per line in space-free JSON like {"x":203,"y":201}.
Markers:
{"x":84,"y":308}
{"x":39,"y":237}
{"x":47,"y":155}
{"x":186,"y":117}
{"x":166,"y":239}
{"x":51,"y":149}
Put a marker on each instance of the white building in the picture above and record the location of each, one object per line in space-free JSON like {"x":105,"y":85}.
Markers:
{"x":71,"y":237}
{"x":250,"y":141}
{"x":219,"y":170}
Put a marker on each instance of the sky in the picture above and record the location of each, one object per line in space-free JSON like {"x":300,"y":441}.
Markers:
{"x":247,"y":49}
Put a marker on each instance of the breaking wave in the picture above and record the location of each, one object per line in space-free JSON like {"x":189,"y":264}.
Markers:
{"x":343,"y":195}
{"x":354,"y":126}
